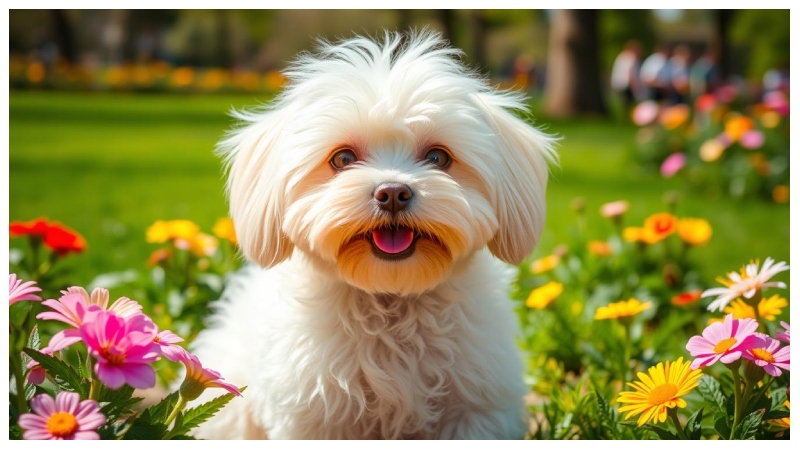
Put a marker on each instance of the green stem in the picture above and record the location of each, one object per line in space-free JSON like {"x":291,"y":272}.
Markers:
{"x":673,"y":414}
{"x":94,"y":390}
{"x":753,"y":302}
{"x":737,"y":398}
{"x":626,"y":357}
{"x":16,"y":366}
{"x":178,"y":408}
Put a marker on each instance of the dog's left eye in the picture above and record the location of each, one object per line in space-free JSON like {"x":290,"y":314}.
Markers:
{"x":342,"y":158}
{"x":438,"y":157}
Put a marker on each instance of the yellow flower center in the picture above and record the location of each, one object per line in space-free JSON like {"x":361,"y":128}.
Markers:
{"x":62,"y":424}
{"x":723,"y":345}
{"x":112,"y":357}
{"x":763,"y":355}
{"x":662,"y":394}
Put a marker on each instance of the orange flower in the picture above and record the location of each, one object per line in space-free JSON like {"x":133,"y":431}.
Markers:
{"x":599,"y":248}
{"x":37,"y":227}
{"x":658,"y":226}
{"x":56,"y":236}
{"x":544,"y":264}
{"x":674,"y":116}
{"x":63,"y":240}
{"x":686,"y":298}
{"x":736,"y":125}
{"x":781,"y":194}
{"x":158,"y":256}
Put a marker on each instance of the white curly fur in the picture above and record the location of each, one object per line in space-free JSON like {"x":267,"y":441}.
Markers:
{"x":332,"y":340}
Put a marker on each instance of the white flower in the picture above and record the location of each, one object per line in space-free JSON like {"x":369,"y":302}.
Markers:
{"x":746,"y":283}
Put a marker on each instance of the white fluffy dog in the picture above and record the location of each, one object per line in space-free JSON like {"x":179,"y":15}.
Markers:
{"x":381,"y":194}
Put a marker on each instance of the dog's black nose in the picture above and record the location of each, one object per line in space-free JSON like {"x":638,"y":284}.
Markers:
{"x":393,"y":197}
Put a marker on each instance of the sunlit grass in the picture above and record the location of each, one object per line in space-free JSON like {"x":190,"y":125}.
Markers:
{"x":109,"y":165}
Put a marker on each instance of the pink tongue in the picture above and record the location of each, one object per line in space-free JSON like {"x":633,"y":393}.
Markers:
{"x":393,"y":240}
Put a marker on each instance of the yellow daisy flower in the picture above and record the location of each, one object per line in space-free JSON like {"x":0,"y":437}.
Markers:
{"x":542,"y":296}
{"x":781,"y":423}
{"x":545,"y":264}
{"x":625,"y":308}
{"x":659,"y":390}
{"x":224,"y":229}
{"x":694,"y":231}
{"x":768,"y":308}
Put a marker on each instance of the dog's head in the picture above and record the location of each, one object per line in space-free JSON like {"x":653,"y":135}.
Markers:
{"x":387,"y":163}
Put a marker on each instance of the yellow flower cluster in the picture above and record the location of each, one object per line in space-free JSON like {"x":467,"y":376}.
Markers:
{"x":659,"y":226}
{"x":540,"y":297}
{"x":186,"y":235}
{"x":623,"y":309}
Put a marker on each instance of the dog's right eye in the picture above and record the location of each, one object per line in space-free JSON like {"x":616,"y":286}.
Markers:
{"x":342,"y":158}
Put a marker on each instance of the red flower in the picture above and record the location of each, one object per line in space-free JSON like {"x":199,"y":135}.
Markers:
{"x":63,"y":240}
{"x":36,"y":227}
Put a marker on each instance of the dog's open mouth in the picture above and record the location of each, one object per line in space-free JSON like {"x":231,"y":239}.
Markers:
{"x":393,"y":242}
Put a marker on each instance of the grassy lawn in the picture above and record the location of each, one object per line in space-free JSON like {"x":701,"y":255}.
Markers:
{"x":109,"y":165}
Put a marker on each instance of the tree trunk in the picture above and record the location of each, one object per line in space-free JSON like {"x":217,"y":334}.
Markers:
{"x":573,"y":65}
{"x":722,"y":40}
{"x":64,"y":36}
{"x":479,"y":26}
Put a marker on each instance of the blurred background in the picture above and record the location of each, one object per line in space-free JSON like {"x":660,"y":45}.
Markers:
{"x":114,"y":114}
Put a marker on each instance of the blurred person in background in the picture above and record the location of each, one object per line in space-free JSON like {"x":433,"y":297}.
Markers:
{"x":704,"y":75}
{"x":679,"y":65}
{"x":625,"y":74}
{"x":656,"y":74}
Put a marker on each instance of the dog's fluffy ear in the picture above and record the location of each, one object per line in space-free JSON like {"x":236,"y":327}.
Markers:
{"x":525,"y":153}
{"x":256,"y":186}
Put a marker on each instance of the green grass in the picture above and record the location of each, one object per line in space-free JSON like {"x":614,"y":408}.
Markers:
{"x":110,"y":165}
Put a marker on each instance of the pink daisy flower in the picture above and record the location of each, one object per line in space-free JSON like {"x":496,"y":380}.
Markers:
{"x":36,"y":373}
{"x":66,"y":417}
{"x":74,"y":304}
{"x":123,"y":348}
{"x":199,"y":378}
{"x":19,"y":291}
{"x":166,"y":340}
{"x":770,"y":356}
{"x":672,"y":164}
{"x":783,"y":335}
{"x":724,"y":341}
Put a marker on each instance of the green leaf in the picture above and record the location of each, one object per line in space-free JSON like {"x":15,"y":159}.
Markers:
{"x":160,"y":411}
{"x":663,"y":434}
{"x":712,"y":393}
{"x":693,"y":429}
{"x":182,"y":437}
{"x":14,"y":432}
{"x":65,"y":375}
{"x":195,"y":416}
{"x":144,"y":430}
{"x":33,"y":342}
{"x":747,"y":429}
{"x":116,"y":403}
{"x":777,"y":414}
{"x":721,"y":425}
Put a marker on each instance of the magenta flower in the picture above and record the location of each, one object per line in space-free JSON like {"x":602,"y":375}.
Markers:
{"x":672,"y":164}
{"x":66,"y":417}
{"x":123,"y":348}
{"x":166,"y":340}
{"x":769,"y":355}
{"x":19,"y":291}
{"x":122,"y":307}
{"x":777,"y":101}
{"x":783,"y":335}
{"x":36,"y":373}
{"x":752,"y":139}
{"x":724,"y":341}
{"x":199,"y":378}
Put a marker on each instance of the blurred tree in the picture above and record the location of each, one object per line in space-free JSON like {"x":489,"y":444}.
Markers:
{"x":573,"y":64}
{"x":765,"y":35}
{"x":722,"y":41}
